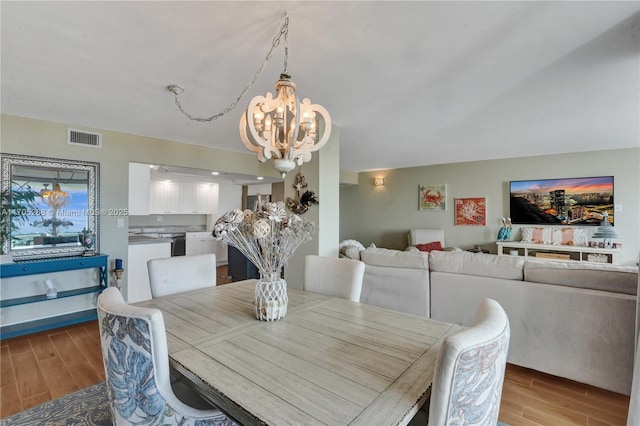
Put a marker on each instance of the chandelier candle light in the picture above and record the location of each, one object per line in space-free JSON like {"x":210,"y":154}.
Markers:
{"x":268,"y":237}
{"x":281,"y":128}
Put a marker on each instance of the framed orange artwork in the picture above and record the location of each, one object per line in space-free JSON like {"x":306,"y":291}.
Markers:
{"x":471,"y":211}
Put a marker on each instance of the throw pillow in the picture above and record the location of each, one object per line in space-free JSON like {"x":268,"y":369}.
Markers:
{"x":435,"y":245}
{"x":351,"y":243}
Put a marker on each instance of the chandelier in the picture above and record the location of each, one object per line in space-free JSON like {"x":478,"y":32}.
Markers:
{"x":55,"y":198}
{"x":281,"y":128}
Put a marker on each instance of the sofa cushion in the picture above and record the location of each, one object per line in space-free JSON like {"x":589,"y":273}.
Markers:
{"x":484,"y":265}
{"x":395,"y":258}
{"x":614,"y":278}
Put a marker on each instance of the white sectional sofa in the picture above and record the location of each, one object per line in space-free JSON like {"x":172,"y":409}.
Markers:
{"x":571,"y":319}
{"x":396,"y":280}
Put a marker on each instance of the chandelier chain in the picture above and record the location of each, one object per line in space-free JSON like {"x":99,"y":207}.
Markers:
{"x":284,"y":30}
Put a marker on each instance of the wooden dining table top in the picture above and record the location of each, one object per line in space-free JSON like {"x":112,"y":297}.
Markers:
{"x":329,"y":362}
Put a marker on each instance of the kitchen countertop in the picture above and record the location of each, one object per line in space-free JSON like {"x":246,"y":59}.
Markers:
{"x":165,"y":229}
{"x":150,"y":234}
{"x":134,"y":240}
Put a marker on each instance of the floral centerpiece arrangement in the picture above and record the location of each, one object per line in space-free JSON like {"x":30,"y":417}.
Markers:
{"x":268,"y":237}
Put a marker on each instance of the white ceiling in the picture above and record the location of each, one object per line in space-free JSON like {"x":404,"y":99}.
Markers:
{"x":408,"y":83}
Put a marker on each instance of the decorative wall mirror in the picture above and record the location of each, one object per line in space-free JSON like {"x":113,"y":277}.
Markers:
{"x":54,"y":207}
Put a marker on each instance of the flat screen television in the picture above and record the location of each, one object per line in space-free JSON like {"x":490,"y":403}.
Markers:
{"x":571,"y":201}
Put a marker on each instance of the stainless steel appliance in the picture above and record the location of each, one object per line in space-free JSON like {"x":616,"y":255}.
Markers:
{"x":178,"y":242}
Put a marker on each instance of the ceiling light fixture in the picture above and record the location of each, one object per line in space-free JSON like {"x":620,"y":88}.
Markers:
{"x":281,"y":128}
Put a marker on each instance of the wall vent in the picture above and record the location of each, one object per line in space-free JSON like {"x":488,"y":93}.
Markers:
{"x":84,"y":138}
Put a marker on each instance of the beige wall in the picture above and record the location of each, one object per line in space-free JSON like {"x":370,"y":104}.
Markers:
{"x":383,"y":215}
{"x":21,"y":135}
{"x":322,"y":176}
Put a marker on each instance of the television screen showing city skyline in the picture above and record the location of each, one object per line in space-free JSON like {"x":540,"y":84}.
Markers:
{"x":570,"y":201}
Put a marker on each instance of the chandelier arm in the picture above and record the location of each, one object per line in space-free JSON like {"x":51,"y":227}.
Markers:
{"x":263,"y":152}
{"x":177,"y":90}
{"x":327,"y":126}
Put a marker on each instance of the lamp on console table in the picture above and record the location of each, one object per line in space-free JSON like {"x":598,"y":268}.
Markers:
{"x":605,"y":231}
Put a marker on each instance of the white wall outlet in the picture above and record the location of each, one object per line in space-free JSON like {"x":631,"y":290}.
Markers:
{"x":617,"y":208}
{"x":120,"y":223}
{"x":159,"y":218}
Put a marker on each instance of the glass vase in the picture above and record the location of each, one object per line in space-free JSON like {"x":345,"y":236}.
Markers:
{"x":270,"y":299}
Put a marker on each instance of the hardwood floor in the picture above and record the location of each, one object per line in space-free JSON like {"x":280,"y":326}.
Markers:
{"x":47,"y":365}
{"x":43,"y":366}
{"x":533,"y":398}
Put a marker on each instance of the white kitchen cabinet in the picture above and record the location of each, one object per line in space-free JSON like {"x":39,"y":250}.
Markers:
{"x":164,"y":197}
{"x":139,"y":188}
{"x":259,"y":189}
{"x":222,"y":255}
{"x":138,"y":288}
{"x":196,"y":197}
{"x":200,"y":243}
{"x":187,"y":197}
{"x":204,"y":196}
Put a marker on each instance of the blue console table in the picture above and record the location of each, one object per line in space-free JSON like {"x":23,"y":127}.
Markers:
{"x":35,"y":267}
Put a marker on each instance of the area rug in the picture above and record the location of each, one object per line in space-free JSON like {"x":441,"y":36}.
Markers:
{"x":86,"y":407}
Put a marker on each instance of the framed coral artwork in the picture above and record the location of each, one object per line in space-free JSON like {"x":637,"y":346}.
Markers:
{"x":471,"y":211}
{"x":433,"y":197}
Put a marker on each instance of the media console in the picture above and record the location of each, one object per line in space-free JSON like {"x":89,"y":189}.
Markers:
{"x":559,"y":252}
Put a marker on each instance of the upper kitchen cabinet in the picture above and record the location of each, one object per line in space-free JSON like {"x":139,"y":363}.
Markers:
{"x":197,"y":197}
{"x":139,"y":186}
{"x":261,"y":189}
{"x":164,"y":197}
{"x":174,"y":190}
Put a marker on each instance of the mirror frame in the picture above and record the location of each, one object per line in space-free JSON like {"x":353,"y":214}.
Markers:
{"x":7,"y":161}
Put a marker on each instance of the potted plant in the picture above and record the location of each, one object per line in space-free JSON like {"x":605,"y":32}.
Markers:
{"x":14,"y":210}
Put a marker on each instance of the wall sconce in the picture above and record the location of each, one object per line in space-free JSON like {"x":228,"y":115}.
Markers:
{"x":378,"y":181}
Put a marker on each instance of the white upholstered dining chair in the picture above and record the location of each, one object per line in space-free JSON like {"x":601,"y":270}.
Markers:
{"x":332,"y":276}
{"x":469,"y":371}
{"x":136,"y":363}
{"x":181,"y":273}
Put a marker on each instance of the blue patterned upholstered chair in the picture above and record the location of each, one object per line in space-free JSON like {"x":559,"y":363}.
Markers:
{"x":181,"y":273}
{"x":136,"y":361}
{"x":332,"y":276}
{"x":469,"y":372}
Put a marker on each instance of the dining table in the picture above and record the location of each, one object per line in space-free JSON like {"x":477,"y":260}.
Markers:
{"x":330,"y":361}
